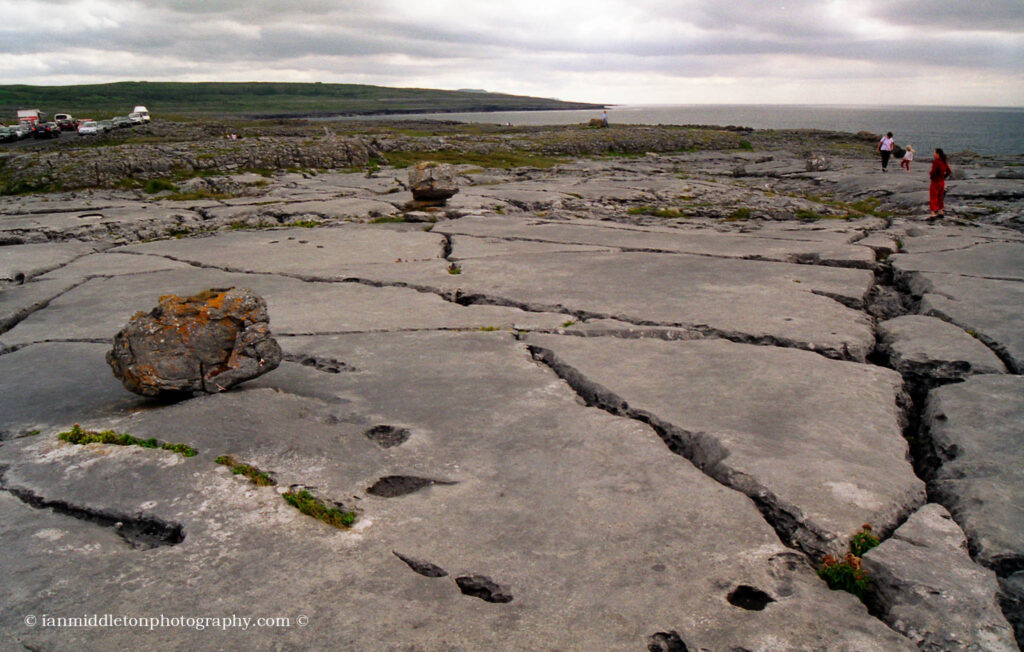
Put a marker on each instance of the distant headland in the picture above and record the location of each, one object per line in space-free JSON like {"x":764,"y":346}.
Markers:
{"x":263,"y":99}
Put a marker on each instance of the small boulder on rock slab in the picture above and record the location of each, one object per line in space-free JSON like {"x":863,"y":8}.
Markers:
{"x":926,"y":587}
{"x":432,"y":182}
{"x":818,"y":164}
{"x":204,"y":343}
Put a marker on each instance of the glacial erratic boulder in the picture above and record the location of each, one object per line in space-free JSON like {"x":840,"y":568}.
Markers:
{"x":432,"y":182}
{"x":187,"y":345}
{"x":817,"y":164}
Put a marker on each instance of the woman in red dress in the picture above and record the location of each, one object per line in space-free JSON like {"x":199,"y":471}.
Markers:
{"x":937,"y":191}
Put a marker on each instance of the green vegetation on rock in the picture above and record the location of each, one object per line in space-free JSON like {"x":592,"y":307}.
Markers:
{"x":154,"y":186}
{"x":257,"y":477}
{"x":78,"y":435}
{"x":846,"y":574}
{"x":863,"y":541}
{"x":310,"y":505}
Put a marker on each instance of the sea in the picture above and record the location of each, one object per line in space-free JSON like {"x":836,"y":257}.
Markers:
{"x":990,"y":131}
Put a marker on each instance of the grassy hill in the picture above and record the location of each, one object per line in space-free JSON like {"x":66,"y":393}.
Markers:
{"x":257,"y":99}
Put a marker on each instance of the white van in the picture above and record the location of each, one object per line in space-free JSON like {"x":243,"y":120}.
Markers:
{"x":141,"y":113}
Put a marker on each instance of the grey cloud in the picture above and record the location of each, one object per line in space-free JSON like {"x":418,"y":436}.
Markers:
{"x":989,"y":15}
{"x":689,"y":38}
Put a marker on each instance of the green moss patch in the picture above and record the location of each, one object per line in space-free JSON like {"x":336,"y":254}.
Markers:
{"x":310,"y":505}
{"x":154,"y":186}
{"x":257,"y":477}
{"x":78,"y":435}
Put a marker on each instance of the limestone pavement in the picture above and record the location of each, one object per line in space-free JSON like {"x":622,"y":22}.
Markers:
{"x":562,"y":420}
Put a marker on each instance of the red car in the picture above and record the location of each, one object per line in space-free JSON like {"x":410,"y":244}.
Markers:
{"x":45,"y":130}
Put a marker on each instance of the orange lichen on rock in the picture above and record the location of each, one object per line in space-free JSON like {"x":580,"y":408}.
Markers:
{"x":185,"y":342}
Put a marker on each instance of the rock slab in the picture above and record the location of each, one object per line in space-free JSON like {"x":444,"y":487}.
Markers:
{"x":975,"y":429}
{"x":930,"y":348}
{"x":928,"y":589}
{"x":208,"y":342}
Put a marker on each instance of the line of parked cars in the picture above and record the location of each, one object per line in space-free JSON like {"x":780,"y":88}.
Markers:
{"x":36,"y":128}
{"x":15,"y":132}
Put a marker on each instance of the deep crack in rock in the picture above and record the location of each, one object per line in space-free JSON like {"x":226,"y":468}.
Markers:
{"x":326,"y":365}
{"x":393,"y":486}
{"x":703,"y":450}
{"x":139,"y":531}
{"x":424,"y":568}
{"x":666,"y":642}
{"x":483,"y":587}
{"x":388,"y":436}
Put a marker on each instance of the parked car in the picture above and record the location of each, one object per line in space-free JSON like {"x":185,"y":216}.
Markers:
{"x":8,"y":134}
{"x":121,"y":122}
{"x":65,"y":121}
{"x":106,"y":125}
{"x":89,"y":128}
{"x":136,"y":118}
{"x":46,"y":130}
{"x":142,"y":111}
{"x":21,"y":130}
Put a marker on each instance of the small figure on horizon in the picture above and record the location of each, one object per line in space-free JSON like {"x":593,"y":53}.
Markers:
{"x":937,"y":190}
{"x":907,"y":158}
{"x":885,"y":149}
{"x":604,"y":116}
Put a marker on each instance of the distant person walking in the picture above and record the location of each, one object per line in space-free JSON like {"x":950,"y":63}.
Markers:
{"x":907,"y":158}
{"x":604,"y":117}
{"x":937,"y":190}
{"x":885,"y":149}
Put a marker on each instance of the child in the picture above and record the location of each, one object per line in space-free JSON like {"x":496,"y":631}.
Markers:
{"x":907,"y":158}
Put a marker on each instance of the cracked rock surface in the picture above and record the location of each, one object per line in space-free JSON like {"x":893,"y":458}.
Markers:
{"x":929,"y":589}
{"x":933,"y":349}
{"x":976,"y":430}
{"x":560,"y":420}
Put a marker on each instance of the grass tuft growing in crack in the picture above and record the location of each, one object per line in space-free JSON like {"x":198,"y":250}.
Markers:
{"x":310,"y":505}
{"x":257,"y":477}
{"x":78,"y":435}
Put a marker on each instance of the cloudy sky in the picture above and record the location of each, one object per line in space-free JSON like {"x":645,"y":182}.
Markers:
{"x":876,"y":52}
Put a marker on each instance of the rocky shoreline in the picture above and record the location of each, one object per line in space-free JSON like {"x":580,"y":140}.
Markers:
{"x":634,"y":392}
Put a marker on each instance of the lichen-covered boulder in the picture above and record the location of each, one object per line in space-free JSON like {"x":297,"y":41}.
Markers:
{"x":432,"y":182}
{"x":205,"y":343}
{"x":817,"y":164}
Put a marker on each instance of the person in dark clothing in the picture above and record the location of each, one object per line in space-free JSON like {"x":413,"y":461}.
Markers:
{"x":937,"y":190}
{"x":885,"y":149}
